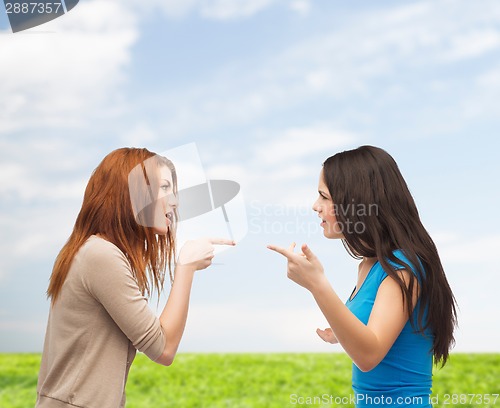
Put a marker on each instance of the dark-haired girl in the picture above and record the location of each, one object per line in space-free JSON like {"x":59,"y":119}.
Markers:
{"x":402,"y":313}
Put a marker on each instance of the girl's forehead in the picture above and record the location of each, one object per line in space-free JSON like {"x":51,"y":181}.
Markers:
{"x":321,"y":178}
{"x":165,"y":173}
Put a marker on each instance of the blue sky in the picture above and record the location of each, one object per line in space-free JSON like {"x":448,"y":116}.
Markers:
{"x":267,"y":89}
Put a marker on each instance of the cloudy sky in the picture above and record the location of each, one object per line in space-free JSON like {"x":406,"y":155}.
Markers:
{"x":266,"y":89}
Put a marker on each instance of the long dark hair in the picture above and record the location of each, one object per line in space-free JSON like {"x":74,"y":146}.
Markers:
{"x":107,"y":210}
{"x":372,"y":199}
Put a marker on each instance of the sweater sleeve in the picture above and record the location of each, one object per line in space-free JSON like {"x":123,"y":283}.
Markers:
{"x":110,"y":281}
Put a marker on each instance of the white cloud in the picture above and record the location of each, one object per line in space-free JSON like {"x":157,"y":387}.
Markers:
{"x":80,"y":68}
{"x":29,"y":328}
{"x":13,"y":175}
{"x":318,"y":79}
{"x":23,"y":183}
{"x":300,"y":142}
{"x":171,"y":8}
{"x":208,"y":9}
{"x":469,"y":250}
{"x":385,"y":42}
{"x":139,"y":135}
{"x":230,"y":9}
{"x":302,"y":7}
{"x":472,"y":44}
{"x":42,"y":181}
{"x":281,"y":158}
{"x":490,"y":79}
{"x":70,"y":71}
{"x":65,"y":75}
{"x":29,"y":168}
{"x":36,"y":231}
{"x":444,"y":237}
{"x":476,"y":334}
{"x":473,"y":273}
{"x":481,"y":101}
{"x":370,"y":57}
{"x":227,"y":327}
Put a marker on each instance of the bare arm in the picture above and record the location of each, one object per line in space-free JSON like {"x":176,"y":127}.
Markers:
{"x":367,"y":344}
{"x":195,"y":255}
{"x":174,"y":316}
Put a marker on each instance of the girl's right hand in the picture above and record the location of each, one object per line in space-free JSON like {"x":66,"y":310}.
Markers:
{"x":199,"y":253}
{"x":327,"y":335}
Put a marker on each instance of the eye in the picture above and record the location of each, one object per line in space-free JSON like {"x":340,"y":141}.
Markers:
{"x":165,"y":186}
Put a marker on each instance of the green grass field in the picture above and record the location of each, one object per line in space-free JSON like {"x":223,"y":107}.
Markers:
{"x":258,"y":380}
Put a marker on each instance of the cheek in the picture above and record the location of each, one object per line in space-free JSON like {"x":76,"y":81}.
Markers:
{"x":161,"y":194}
{"x":330,"y":214}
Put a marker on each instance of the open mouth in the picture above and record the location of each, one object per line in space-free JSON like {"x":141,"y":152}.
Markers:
{"x":170,"y":217}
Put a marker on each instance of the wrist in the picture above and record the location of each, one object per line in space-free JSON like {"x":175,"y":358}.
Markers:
{"x":184,"y":269}
{"x":319,"y":285}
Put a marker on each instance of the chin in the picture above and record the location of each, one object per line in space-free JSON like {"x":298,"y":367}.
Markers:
{"x":333,"y":235}
{"x":327,"y":234}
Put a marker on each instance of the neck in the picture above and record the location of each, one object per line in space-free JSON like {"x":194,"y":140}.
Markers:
{"x":366,"y":264}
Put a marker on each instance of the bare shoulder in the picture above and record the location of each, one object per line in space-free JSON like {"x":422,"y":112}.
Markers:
{"x":391,"y":288}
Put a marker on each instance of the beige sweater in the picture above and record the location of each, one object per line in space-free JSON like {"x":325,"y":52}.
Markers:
{"x":94,"y":329}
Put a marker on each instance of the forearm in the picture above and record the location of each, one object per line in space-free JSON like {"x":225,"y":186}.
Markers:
{"x":174,"y":315}
{"x":357,"y":339}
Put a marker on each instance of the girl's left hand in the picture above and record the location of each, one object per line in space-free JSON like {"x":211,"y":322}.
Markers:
{"x":304,"y":269}
{"x":327,"y":335}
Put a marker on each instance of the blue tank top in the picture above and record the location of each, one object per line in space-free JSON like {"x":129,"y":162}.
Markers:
{"x":404,"y":377}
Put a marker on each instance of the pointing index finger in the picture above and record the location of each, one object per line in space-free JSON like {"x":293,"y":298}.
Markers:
{"x":285,"y":252}
{"x":222,"y":241}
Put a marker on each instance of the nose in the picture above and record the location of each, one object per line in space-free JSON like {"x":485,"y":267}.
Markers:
{"x":315,"y":206}
{"x":172,"y":201}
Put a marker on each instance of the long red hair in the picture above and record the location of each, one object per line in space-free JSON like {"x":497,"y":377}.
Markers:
{"x":107,"y":210}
